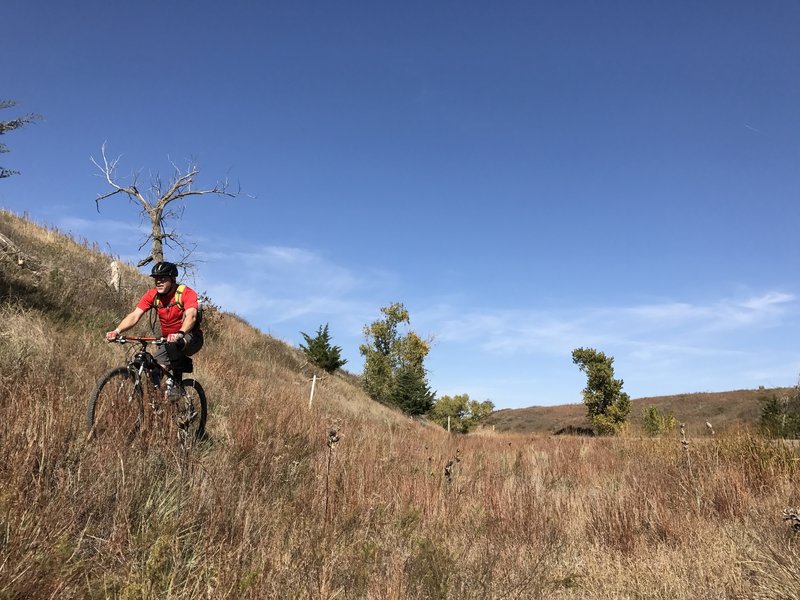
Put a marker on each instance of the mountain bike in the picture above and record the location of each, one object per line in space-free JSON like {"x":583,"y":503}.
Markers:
{"x":117,"y":405}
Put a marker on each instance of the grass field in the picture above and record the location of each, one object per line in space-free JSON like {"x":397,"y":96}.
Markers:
{"x":274,"y":506}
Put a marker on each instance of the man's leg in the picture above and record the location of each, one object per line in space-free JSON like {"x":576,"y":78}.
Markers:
{"x":177,"y":352}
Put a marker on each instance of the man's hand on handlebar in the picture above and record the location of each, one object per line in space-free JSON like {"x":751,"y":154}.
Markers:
{"x":175,"y":337}
{"x":112,"y":336}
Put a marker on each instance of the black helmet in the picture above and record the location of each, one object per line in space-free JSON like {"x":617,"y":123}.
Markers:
{"x":160,"y":269}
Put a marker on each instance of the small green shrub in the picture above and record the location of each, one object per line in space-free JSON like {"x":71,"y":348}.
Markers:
{"x":780,"y":416}
{"x":657,"y":423}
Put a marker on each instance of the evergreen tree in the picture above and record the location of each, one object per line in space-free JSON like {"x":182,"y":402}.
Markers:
{"x":6,"y":126}
{"x":606,"y":404}
{"x":320,"y":352}
{"x":411,"y":392}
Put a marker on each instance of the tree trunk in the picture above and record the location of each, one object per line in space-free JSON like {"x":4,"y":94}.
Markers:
{"x":157,"y":234}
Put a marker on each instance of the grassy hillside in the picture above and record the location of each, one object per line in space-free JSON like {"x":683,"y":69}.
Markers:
{"x":269,"y":507}
{"x":725,"y":411}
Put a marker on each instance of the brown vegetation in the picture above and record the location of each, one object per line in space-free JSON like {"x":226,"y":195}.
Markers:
{"x":728,"y":412}
{"x":272,"y":507}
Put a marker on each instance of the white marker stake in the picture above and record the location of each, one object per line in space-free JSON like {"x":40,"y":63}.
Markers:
{"x":313,"y":385}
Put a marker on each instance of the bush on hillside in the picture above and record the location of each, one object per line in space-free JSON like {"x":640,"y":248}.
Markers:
{"x":321,"y":352}
{"x":655,"y":422}
{"x":463,"y":413}
{"x":780,"y":416}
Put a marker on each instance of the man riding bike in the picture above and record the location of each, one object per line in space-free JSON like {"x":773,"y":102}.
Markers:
{"x":177,"y":311}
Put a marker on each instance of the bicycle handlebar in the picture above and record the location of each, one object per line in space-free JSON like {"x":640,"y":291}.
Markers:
{"x":122,"y":339}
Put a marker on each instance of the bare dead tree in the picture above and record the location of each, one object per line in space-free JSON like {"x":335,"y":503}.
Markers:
{"x":155,"y":203}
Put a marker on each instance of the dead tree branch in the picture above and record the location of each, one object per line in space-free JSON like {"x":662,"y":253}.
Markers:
{"x":155,"y":203}
{"x":9,"y":250}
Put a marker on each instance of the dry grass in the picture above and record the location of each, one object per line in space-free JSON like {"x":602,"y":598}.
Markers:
{"x":267,"y":508}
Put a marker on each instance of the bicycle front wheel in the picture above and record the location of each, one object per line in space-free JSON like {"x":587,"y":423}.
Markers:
{"x":115,"y":408}
{"x":193,"y":411}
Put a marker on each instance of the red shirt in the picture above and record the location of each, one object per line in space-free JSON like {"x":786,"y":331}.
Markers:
{"x":171,"y":317}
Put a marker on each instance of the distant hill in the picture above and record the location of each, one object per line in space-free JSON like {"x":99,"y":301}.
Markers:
{"x":724,"y":410}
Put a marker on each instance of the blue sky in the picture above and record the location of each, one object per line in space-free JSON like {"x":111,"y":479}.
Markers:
{"x":526,"y":177}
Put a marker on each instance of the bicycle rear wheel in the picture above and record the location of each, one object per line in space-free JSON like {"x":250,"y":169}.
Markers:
{"x":192,"y":410}
{"x":115,"y":408}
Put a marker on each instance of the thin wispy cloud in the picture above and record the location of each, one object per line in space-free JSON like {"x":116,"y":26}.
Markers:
{"x":767,"y":301}
{"x":121,"y":237}
{"x":655,"y":326}
{"x":102,"y":227}
{"x":718,"y":316}
{"x":289,"y":285}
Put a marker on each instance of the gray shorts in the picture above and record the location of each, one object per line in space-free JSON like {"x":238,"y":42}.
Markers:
{"x":172,"y":354}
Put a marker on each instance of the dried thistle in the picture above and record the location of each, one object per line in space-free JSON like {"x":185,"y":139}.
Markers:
{"x":685,"y":444}
{"x":448,"y":471}
{"x":793,"y":516}
{"x":450,"y":465}
{"x":333,"y":438}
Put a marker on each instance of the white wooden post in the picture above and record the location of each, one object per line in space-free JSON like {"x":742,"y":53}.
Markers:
{"x":115,"y":276}
{"x":448,"y":424}
{"x":313,"y":385}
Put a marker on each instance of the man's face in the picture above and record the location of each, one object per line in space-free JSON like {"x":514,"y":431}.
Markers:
{"x":163,"y":284}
